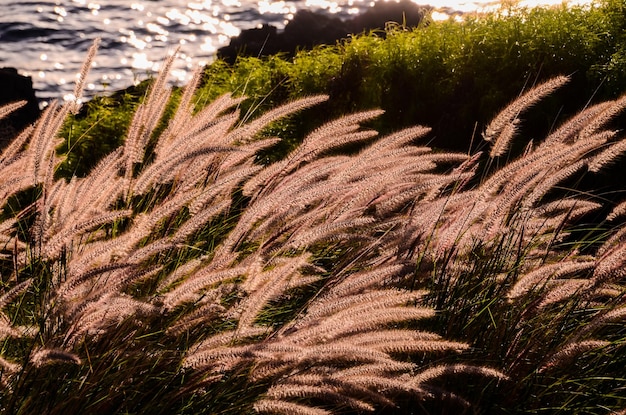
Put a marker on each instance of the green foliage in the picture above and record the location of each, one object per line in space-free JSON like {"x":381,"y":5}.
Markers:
{"x":452,"y":76}
{"x":99,"y":128}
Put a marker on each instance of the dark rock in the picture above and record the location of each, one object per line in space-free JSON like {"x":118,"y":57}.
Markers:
{"x":404,"y":13}
{"x":252,"y":42}
{"x":16,"y":87}
{"x":308,"y":29}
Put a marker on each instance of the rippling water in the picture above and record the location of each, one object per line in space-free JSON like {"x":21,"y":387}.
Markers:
{"x":48,"y":40}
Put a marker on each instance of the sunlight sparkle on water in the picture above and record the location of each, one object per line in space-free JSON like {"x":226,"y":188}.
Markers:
{"x":176,"y":15}
{"x":141,"y":61}
{"x":532,"y":3}
{"x":330,"y":6}
{"x":231,"y":3}
{"x":444,"y":7}
{"x":207,"y":46}
{"x":277,"y":7}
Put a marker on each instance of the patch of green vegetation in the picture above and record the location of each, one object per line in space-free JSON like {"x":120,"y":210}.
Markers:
{"x":452,"y":76}
{"x":97,"y":129}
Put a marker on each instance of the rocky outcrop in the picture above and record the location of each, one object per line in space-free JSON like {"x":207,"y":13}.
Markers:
{"x":308,"y":29}
{"x":16,"y":87}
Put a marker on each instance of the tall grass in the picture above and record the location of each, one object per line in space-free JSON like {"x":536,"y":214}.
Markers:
{"x":357,"y":274}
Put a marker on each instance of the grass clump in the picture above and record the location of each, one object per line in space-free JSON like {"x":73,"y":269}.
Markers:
{"x":356,"y":274}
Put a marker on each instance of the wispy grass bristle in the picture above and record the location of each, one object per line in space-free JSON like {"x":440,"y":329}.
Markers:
{"x":358,"y":274}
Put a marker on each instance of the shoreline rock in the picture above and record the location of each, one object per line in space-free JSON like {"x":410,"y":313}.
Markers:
{"x":309,"y":29}
{"x":16,"y":87}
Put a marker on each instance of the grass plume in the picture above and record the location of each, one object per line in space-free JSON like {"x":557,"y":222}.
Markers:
{"x":358,"y":274}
